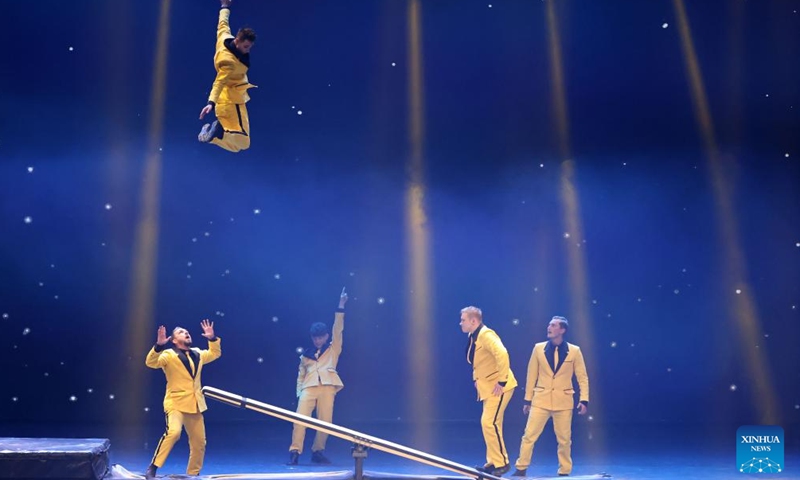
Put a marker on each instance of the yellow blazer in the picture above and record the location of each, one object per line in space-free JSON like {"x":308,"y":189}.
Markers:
{"x":231,"y":83}
{"x":554,"y":391}
{"x":490,"y":363}
{"x":183,"y":388}
{"x":315,"y":371}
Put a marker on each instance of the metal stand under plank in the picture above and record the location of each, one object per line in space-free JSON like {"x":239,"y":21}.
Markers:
{"x":359,"y":454}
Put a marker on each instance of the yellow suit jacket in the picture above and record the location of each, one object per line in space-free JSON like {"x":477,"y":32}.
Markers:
{"x":490,"y":363}
{"x":231,"y":83}
{"x":554,"y":391}
{"x":321,"y":370}
{"x":183,"y":388}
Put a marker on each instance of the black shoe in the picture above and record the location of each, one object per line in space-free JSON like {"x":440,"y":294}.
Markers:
{"x":563,"y":474}
{"x":520,"y":473}
{"x":294,"y":455}
{"x":318,"y":457}
{"x":151,"y":472}
{"x":499,"y":471}
{"x":488,"y":468}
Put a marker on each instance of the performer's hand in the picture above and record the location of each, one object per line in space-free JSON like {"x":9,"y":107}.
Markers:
{"x":205,"y":111}
{"x":498,"y":390}
{"x":526,"y":409}
{"x":208,"y":328}
{"x":582,"y":409}
{"x":162,"y":338}
{"x":342,"y":298}
{"x":225,"y":3}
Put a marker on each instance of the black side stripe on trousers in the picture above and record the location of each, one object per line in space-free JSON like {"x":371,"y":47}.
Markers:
{"x":241,"y":125}
{"x":497,"y":431}
{"x":161,"y":440}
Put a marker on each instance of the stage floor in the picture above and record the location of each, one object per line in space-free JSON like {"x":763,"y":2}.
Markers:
{"x":259,"y":450}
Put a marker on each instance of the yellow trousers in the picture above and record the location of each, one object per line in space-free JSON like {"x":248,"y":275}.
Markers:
{"x":320,"y":397}
{"x":195,"y":430}
{"x":562,"y":424}
{"x":236,"y":126}
{"x":494,"y":409}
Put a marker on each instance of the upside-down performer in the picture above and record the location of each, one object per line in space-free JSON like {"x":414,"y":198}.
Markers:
{"x":228,"y":97}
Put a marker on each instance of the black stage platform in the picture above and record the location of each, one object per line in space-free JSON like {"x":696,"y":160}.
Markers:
{"x":57,"y":458}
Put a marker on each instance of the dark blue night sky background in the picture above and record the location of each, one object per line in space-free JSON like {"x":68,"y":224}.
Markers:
{"x":262,"y":242}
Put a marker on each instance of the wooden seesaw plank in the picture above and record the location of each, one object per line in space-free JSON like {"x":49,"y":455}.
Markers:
{"x":353,"y":436}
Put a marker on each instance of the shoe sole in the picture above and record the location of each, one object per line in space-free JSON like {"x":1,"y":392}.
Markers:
{"x":205,"y":134}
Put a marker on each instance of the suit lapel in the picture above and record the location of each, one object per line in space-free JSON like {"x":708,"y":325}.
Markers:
{"x":547,"y":360}
{"x":196,"y":360}
{"x":472,"y":345}
{"x":563,"y":358}
{"x":549,"y":356}
{"x":185,"y":361}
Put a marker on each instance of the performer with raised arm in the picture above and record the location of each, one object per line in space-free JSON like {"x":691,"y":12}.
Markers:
{"x":184,"y":402}
{"x":318,"y":382}
{"x":228,"y":97}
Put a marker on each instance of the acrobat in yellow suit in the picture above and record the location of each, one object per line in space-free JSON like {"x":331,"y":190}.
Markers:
{"x":229,"y":92}
{"x":491,"y":366}
{"x":318,"y":383}
{"x":184,"y":402}
{"x":550,"y":391}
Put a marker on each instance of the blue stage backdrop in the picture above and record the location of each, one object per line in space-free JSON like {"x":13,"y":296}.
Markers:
{"x":601,"y":168}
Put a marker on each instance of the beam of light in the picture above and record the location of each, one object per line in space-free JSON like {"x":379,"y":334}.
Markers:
{"x":140,"y":325}
{"x":742,"y":306}
{"x":570,"y":202}
{"x":579,"y":316}
{"x":559,"y":98}
{"x":418,"y":243}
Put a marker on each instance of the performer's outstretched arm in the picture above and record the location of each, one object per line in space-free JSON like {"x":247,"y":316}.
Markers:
{"x":214,"y":348}
{"x":338,"y":325}
{"x":224,"y":27}
{"x":155,"y":359}
{"x":224,"y":69}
